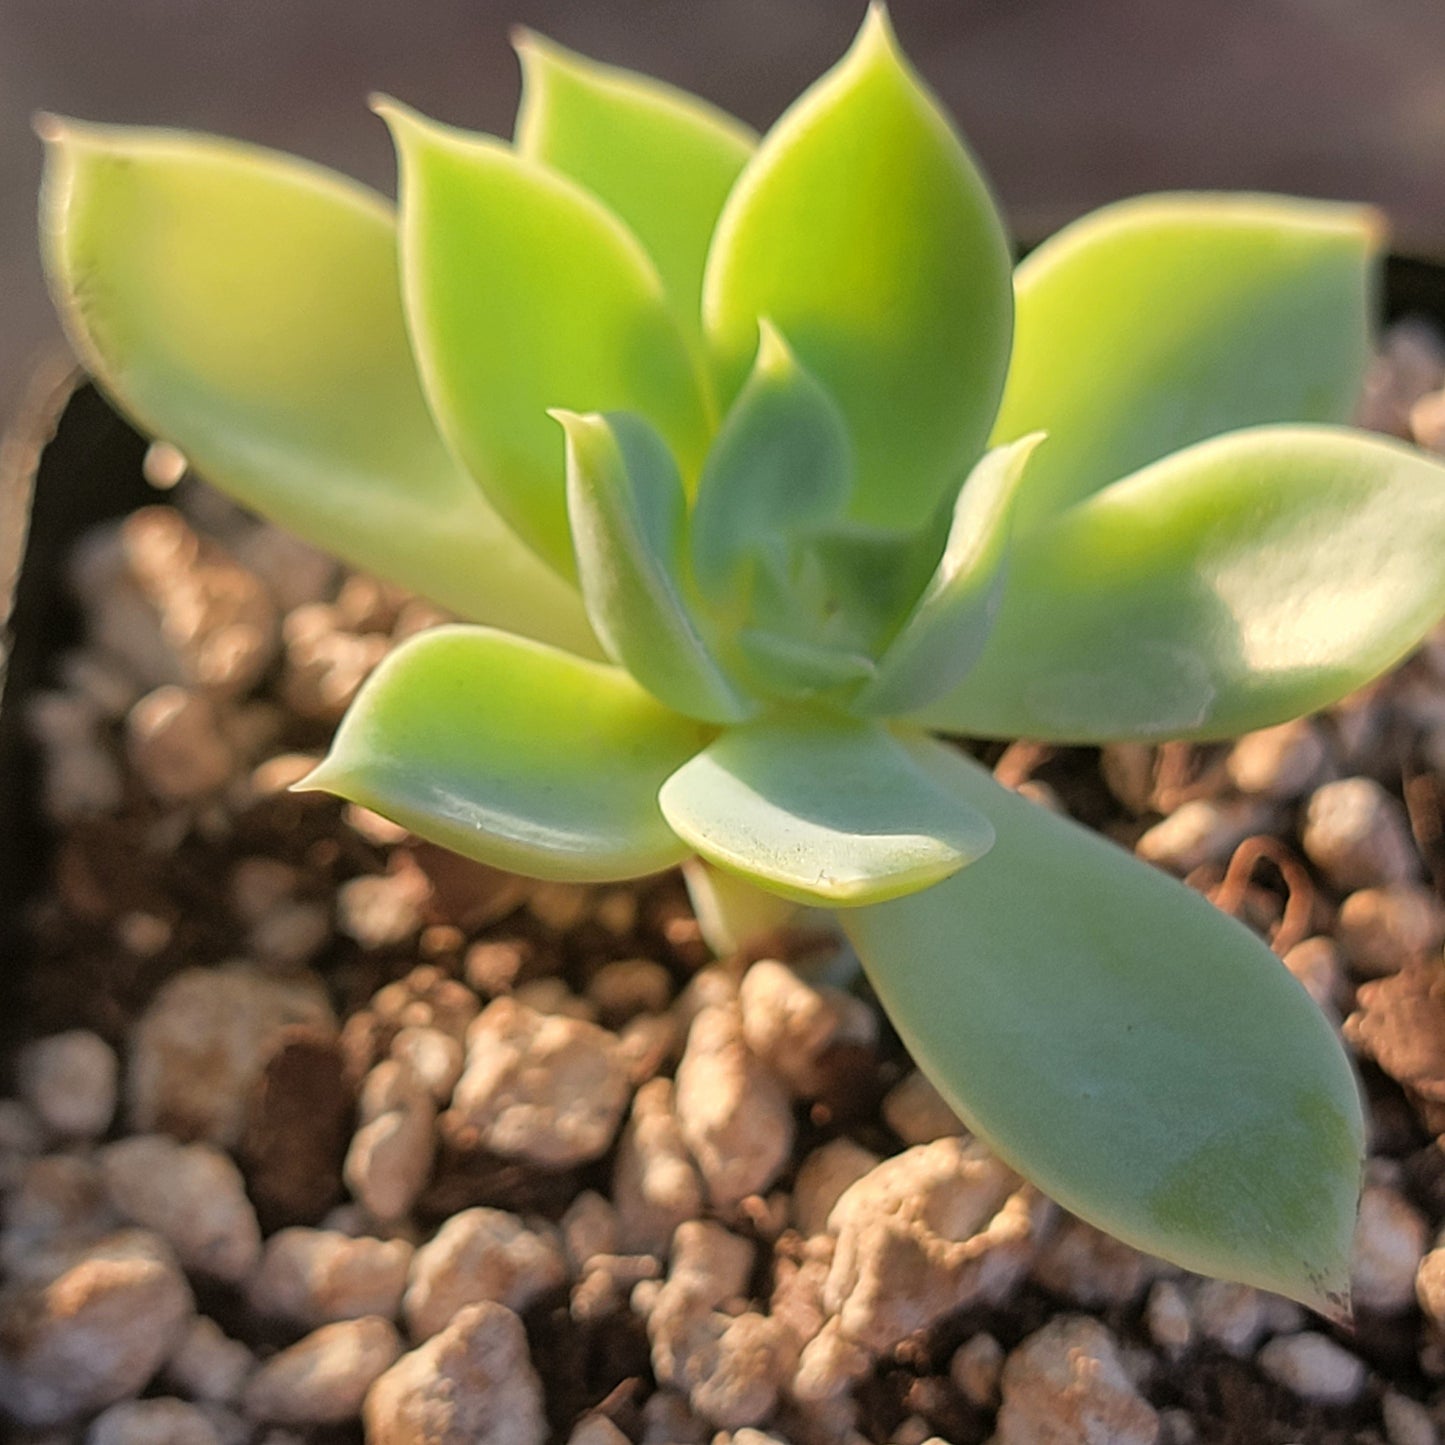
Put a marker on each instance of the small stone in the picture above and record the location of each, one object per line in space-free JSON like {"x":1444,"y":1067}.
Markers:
{"x":550,"y":995}
{"x":323,"y":1378}
{"x":1092,"y":1268}
{"x":152,"y":1422}
{"x":792,"y":1025}
{"x":1383,"y":929}
{"x":1066,"y":1383}
{"x":559,"y":907}
{"x":1279,"y":763}
{"x":733,"y":1112}
{"x":544,"y":1088}
{"x":192,"y":1196}
{"x":472,"y":1384}
{"x":391,"y":1154}
{"x":822,"y":1178}
{"x":932,"y":1230}
{"x":1201,"y":831}
{"x":1430,"y":1288}
{"x":70,"y":1081}
{"x":918,"y":1113}
{"x":976,"y":1368}
{"x":434,"y":1058}
{"x":667,"y":1419}
{"x":589,"y":1228}
{"x":1169,"y":1319}
{"x":481,"y":1254}
{"x":732,"y":1366}
{"x":1390,"y":1242}
{"x":1230,"y":1315}
{"x":325,"y":664}
{"x":208,"y":1364}
{"x":1314,"y":1367}
{"x":1315,"y":962}
{"x":176,"y":745}
{"x":1358,"y":836}
{"x":383,"y":910}
{"x":59,"y":1205}
{"x":197,"y":1049}
{"x":1407,"y":1421}
{"x":655,"y":1185}
{"x":94,"y":1333}
{"x":627,"y":987}
{"x":319,"y":1276}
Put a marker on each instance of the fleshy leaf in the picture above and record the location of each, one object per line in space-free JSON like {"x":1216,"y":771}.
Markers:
{"x":515,"y":754}
{"x":1140,"y":1056}
{"x":525,"y":293}
{"x":949,"y":627}
{"x":782,"y":665}
{"x":662,"y":159}
{"x":1159,"y":322}
{"x":823,"y":810}
{"x":628,"y":512}
{"x":863,"y":230}
{"x":1244,"y":581}
{"x":780,"y":470}
{"x":246,"y":307}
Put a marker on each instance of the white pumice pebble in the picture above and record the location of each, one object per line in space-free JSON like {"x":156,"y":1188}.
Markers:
{"x":1314,"y":1367}
{"x":1357,"y":835}
{"x":323,"y":1378}
{"x":472,"y":1382}
{"x":1066,"y":1383}
{"x":70,"y":1080}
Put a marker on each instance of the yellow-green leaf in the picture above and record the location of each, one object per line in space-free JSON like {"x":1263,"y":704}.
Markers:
{"x":863,"y":230}
{"x":1161,"y":321}
{"x":525,"y":293}
{"x":246,"y":307}
{"x":515,"y":754}
{"x":661,"y":158}
{"x":1142,"y":1057}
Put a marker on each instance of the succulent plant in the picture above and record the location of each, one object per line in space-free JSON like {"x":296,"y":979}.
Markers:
{"x":750,"y":470}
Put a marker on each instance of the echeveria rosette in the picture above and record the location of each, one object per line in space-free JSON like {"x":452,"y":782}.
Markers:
{"x":763,"y":423}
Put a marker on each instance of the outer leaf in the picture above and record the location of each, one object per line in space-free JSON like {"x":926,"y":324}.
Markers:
{"x":863,"y":229}
{"x":246,"y":307}
{"x":821,"y":810}
{"x":515,"y":754}
{"x":662,"y":159}
{"x":1244,"y":581}
{"x":625,"y":499}
{"x":947,"y":630}
{"x":523,"y":293}
{"x":1156,"y":323}
{"x":1139,"y":1055}
{"x":780,"y":470}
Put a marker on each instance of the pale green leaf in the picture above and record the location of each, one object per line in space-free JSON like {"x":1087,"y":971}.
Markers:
{"x":947,"y":630}
{"x":515,"y":754}
{"x":524,"y":293}
{"x":246,"y":307}
{"x":1140,"y":1056}
{"x":863,"y":230}
{"x":628,"y":513}
{"x":1239,"y":583}
{"x":822,"y":810}
{"x":662,"y":159}
{"x":779,"y":471}
{"x":784,"y":665}
{"x":1159,"y":322}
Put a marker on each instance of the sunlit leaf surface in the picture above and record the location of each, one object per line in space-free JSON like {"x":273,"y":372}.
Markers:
{"x":1139,"y":1055}
{"x":515,"y":754}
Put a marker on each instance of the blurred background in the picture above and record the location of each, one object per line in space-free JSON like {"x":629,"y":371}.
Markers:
{"x":1067,"y":104}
